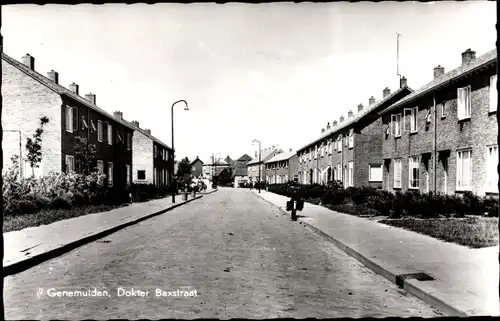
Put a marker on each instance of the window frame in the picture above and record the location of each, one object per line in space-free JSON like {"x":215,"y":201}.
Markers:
{"x":129,"y":141}
{"x":110,"y":174}
{"x":69,"y":122}
{"x":462,"y":112}
{"x":141,"y":170}
{"x":399,"y":168}
{"x":459,"y":169}
{"x":100,"y":169}
{"x":351,"y":138}
{"x":350,"y":173}
{"x":493,"y":94}
{"x":396,"y":124}
{"x":110,"y":134}
{"x":100,"y":128}
{"x":492,"y":168}
{"x":412,"y":160}
{"x":370,"y":178}
{"x":71,"y":160}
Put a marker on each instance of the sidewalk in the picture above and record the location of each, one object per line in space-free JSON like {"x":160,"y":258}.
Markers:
{"x":31,"y":246}
{"x":465,"y":280}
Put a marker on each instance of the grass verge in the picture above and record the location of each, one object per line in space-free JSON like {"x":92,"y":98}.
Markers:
{"x":474,"y":232}
{"x":19,"y":222}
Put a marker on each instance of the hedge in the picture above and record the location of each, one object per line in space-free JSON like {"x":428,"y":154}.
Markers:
{"x":385,"y":203}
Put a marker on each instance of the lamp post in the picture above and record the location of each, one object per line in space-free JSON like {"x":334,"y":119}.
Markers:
{"x":255,"y":140}
{"x":174,"y":188}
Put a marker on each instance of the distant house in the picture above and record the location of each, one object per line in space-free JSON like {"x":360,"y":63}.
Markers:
{"x":282,"y":168}
{"x":229,"y":160}
{"x":254,"y":164}
{"x":223,"y":175}
{"x":210,"y":166}
{"x":240,"y":172}
{"x":197,"y":168}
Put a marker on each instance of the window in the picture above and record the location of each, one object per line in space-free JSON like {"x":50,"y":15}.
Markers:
{"x":128,"y":174}
{"x":70,"y":163}
{"x":155,"y":177}
{"x":84,"y":123}
{"x":99,"y":131}
{"x":141,"y":175}
{"x":375,"y":173}
{"x":464,"y":169}
{"x":351,"y":138}
{"x":396,"y":125}
{"x":110,"y":174}
{"x":397,"y":173}
{"x":129,"y":141}
{"x":322,"y":151}
{"x":351,"y":174}
{"x":330,"y":147}
{"x":463,"y":103}
{"x":443,"y":110}
{"x":493,"y":93}
{"x":316,"y":152}
{"x":492,"y":172}
{"x":100,"y":167}
{"x":340,"y":144}
{"x":69,"y":119}
{"x":413,"y":114}
{"x":414,"y":172}
{"x":110,"y":134}
{"x":156,"y":151}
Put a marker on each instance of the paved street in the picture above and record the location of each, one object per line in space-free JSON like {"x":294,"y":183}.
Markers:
{"x":243,"y":258}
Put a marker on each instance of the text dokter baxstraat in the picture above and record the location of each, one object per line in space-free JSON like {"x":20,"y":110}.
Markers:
{"x":132,"y":292}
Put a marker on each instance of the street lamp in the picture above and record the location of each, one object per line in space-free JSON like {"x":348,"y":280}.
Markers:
{"x":256,"y":141}
{"x":174,"y":188}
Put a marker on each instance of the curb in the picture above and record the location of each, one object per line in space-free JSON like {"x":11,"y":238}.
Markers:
{"x":378,"y":268}
{"x":28,"y":263}
{"x":206,"y":193}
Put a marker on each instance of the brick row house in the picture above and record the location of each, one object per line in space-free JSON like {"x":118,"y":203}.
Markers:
{"x":254,"y":164}
{"x":152,"y":159}
{"x":443,"y":137}
{"x":282,"y":168}
{"x":28,"y":95}
{"x":350,"y":150}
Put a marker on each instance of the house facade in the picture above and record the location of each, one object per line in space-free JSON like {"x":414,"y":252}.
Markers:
{"x":197,"y":168}
{"x":240,"y":172}
{"x":443,"y":137}
{"x":28,"y":96}
{"x":254,"y":165}
{"x":350,"y":150}
{"x":152,"y":159}
{"x":213,"y":166}
{"x":282,"y":168}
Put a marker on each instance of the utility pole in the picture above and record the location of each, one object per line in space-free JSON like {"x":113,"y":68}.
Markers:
{"x":397,"y":55}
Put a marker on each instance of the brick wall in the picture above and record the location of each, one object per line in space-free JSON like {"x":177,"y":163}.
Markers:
{"x":163,"y":166}
{"x":142,"y":147}
{"x":24,"y":101}
{"x":476,"y":133}
{"x":368,"y":151}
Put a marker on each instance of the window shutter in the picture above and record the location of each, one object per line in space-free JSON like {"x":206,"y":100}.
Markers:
{"x":75,"y":119}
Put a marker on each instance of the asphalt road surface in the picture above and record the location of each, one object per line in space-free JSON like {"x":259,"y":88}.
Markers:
{"x":232,"y":254}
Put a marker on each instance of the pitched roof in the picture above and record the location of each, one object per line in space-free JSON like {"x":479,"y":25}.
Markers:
{"x":281,"y":157}
{"x":354,"y":119}
{"x":245,"y":158}
{"x":142,"y":131}
{"x":58,"y":88}
{"x":264,"y":156}
{"x":196,"y":160}
{"x":240,"y":166}
{"x":217,"y":161}
{"x":445,"y":79}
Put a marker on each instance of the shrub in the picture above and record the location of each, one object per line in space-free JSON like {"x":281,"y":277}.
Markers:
{"x":490,"y":206}
{"x":62,"y":202}
{"x":397,"y":205}
{"x":472,"y":204}
{"x":43,"y":202}
{"x":333,"y":197}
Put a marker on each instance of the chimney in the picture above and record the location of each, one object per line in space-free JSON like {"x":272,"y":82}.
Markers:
{"x":74,"y":88}
{"x":135,"y":123}
{"x":90,"y":97}
{"x":54,"y":76}
{"x":148,"y":131}
{"x":118,"y":114}
{"x":341,"y":118}
{"x":386,"y":92}
{"x":438,"y":71}
{"x":290,"y":150}
{"x":349,"y":114}
{"x":322,"y":130}
{"x":29,"y":61}
{"x":360,"y":107}
{"x":402,"y":82}
{"x":334,"y":123}
{"x":371,"y":101}
{"x":328,"y":126}
{"x":467,"y":56}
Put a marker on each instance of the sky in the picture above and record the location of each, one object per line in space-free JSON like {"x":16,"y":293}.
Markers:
{"x":276,"y":72}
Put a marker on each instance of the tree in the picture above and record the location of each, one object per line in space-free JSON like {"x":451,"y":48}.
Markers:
{"x":184,"y":168}
{"x":34,"y":146}
{"x":85,"y":155}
